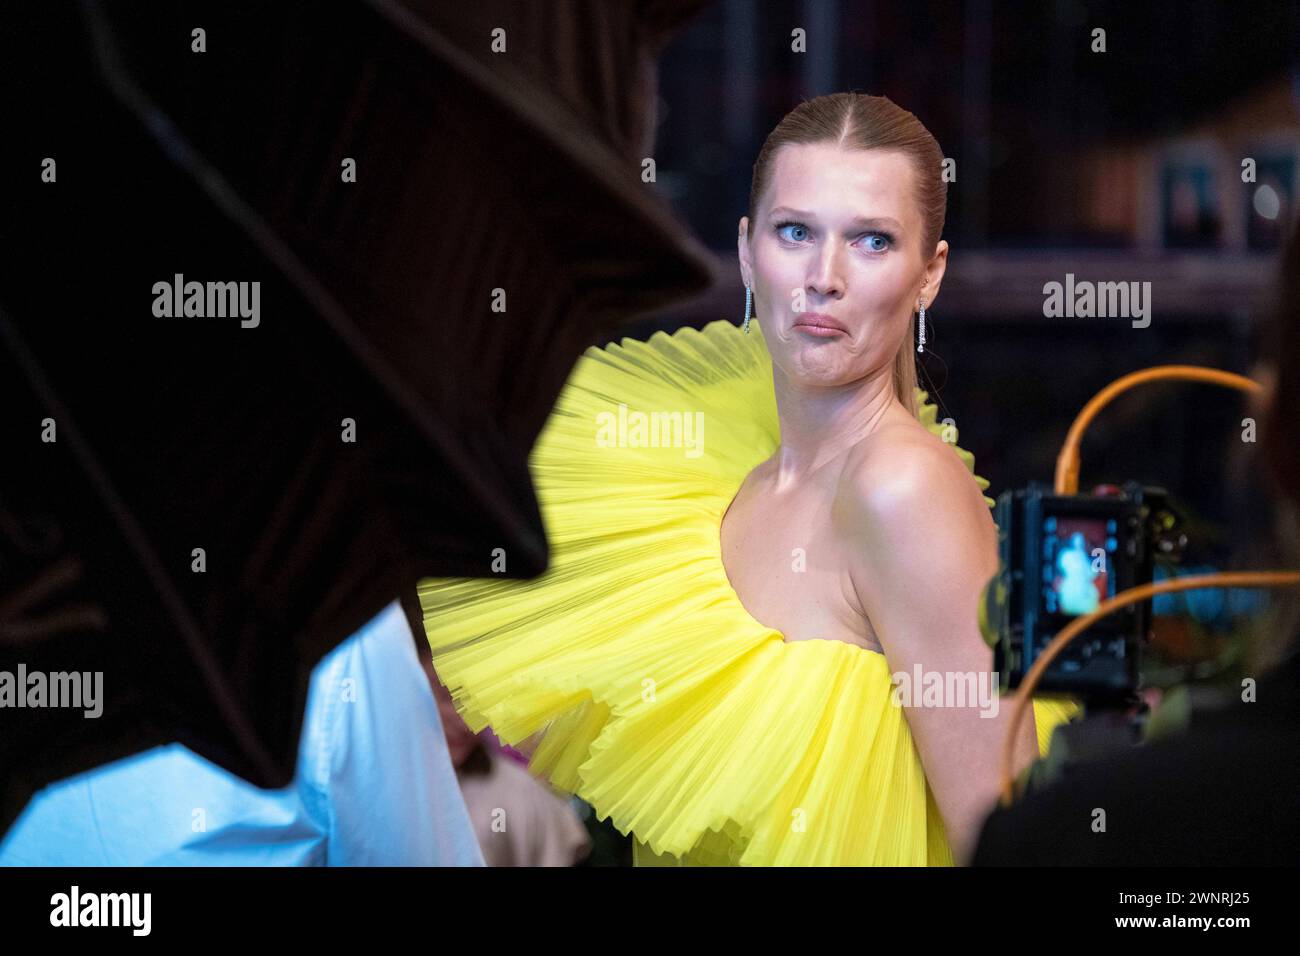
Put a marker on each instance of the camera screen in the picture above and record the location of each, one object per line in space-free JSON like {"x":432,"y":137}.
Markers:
{"x":1078,"y":563}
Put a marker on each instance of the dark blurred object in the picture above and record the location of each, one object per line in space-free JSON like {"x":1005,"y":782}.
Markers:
{"x":376,"y":299}
{"x":1189,"y":198}
{"x":608,"y":846}
{"x":1221,"y":794}
{"x":1271,"y":205}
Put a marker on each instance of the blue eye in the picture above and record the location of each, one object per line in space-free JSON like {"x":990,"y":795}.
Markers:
{"x":877,"y":241}
{"x":796,"y":225}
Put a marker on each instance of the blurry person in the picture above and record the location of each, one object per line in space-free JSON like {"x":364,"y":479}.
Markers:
{"x":1226,"y":791}
{"x":362,"y":795}
{"x":1078,"y":590}
{"x":517,"y":819}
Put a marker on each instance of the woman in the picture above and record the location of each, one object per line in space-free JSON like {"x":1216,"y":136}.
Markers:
{"x":751,"y":531}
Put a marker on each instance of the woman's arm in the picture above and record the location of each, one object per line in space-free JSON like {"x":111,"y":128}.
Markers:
{"x":923,"y":545}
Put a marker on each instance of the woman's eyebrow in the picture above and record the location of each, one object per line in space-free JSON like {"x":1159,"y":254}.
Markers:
{"x":855,"y":223}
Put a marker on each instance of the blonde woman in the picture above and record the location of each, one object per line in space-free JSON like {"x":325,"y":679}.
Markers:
{"x":753,"y":530}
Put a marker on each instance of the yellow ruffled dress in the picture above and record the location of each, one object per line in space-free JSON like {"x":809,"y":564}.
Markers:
{"x":664,"y":704}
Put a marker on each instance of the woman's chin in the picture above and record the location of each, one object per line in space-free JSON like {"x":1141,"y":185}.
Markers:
{"x":811,"y":373}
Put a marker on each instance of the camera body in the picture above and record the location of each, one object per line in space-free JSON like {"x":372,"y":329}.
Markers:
{"x":1060,"y":557}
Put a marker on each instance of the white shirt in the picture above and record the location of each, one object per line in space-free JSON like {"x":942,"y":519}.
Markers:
{"x":374,"y":785}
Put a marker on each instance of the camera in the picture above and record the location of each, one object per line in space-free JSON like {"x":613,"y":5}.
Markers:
{"x":1060,"y":556}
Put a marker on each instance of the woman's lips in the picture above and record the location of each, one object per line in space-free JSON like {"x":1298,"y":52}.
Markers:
{"x":822,"y":327}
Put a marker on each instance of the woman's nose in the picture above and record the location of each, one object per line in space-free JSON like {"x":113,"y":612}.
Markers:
{"x":826,"y":277}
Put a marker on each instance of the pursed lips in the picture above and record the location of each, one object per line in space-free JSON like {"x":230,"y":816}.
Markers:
{"x":815,"y":323}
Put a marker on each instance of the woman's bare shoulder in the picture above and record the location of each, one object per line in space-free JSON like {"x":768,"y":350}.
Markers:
{"x":902,"y":494}
{"x":899,"y":468}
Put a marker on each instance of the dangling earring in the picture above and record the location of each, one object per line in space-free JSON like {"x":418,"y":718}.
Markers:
{"x":749,"y":303}
{"x":920,"y":327}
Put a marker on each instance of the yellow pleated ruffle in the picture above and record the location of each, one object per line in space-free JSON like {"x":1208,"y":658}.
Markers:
{"x":664,"y":704}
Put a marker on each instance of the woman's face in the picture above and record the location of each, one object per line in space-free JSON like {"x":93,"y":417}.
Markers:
{"x":837,"y":242}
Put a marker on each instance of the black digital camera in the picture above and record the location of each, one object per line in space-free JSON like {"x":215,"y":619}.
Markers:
{"x":1060,"y":557}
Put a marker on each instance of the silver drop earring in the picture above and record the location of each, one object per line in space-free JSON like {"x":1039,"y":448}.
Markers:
{"x":920,"y":327}
{"x":749,"y":304}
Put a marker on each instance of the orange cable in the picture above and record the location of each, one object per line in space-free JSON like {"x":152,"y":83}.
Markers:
{"x":1067,"y":462}
{"x":1268,"y":579}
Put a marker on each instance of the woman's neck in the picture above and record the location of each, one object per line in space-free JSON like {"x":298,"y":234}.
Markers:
{"x":820,"y":423}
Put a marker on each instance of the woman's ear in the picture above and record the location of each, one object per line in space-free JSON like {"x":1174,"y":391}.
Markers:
{"x":742,"y":251}
{"x":934,"y":270}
